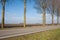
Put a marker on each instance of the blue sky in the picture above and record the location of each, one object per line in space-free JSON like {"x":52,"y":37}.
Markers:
{"x":14,"y":14}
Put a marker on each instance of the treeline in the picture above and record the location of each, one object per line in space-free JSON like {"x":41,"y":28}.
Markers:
{"x":52,"y":6}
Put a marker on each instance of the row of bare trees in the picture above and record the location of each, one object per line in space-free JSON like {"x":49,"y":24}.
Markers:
{"x":48,"y":5}
{"x":3,"y":2}
{"x":43,"y":5}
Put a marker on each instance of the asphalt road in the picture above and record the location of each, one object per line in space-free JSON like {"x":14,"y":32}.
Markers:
{"x":23,"y":31}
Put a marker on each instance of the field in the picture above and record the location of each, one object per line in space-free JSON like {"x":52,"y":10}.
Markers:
{"x":21,"y":25}
{"x":45,"y":35}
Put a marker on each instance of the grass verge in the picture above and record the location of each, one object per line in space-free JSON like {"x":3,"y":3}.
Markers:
{"x":45,"y":35}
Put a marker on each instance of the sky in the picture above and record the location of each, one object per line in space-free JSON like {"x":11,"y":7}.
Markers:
{"x":14,"y":14}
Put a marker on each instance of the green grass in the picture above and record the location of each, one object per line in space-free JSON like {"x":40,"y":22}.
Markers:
{"x":45,"y":35}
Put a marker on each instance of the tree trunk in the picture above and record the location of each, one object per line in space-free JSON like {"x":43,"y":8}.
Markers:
{"x":3,"y":12}
{"x":44,"y":18}
{"x":58,"y":17}
{"x":24,"y":13}
{"x":53,"y":17}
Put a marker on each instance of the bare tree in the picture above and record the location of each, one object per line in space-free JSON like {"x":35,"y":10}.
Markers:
{"x":58,"y":10}
{"x":3,"y":2}
{"x":24,"y":13}
{"x":42,"y":4}
{"x":25,"y":2}
{"x":57,"y":13}
{"x":53,"y":9}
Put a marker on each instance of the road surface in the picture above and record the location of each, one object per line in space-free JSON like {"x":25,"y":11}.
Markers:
{"x":23,"y":31}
